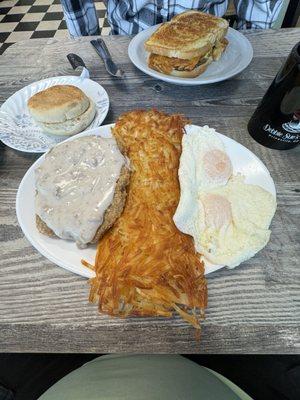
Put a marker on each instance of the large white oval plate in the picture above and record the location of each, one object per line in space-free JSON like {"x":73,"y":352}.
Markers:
{"x":19,"y":131}
{"x":65,"y":254}
{"x":235,"y":58}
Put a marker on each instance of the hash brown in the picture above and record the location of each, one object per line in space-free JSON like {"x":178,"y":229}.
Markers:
{"x":145,"y":266}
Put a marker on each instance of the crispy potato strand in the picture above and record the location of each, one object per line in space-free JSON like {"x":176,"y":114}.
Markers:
{"x":144,"y":266}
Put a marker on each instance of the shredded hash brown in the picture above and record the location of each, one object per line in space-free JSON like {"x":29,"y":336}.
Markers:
{"x":144,"y":265}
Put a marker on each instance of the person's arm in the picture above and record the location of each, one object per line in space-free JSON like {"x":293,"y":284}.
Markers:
{"x":257,"y":14}
{"x":127,"y":17}
{"x":81,"y":17}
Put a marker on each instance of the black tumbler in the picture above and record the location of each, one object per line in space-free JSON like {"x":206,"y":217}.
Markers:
{"x":276,"y":121}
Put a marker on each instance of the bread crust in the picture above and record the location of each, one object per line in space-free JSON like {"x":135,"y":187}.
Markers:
{"x":112,"y":213}
{"x":58,"y":104}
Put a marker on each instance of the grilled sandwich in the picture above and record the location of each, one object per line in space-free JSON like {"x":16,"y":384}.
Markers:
{"x":187,"y":44}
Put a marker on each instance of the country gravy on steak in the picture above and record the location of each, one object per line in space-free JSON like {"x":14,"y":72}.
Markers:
{"x":75,"y":185}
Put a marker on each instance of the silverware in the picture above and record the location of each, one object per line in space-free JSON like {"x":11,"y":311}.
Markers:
{"x":75,"y":61}
{"x":103,"y":52}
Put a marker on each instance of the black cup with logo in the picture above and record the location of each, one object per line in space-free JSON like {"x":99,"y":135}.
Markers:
{"x":276,"y":121}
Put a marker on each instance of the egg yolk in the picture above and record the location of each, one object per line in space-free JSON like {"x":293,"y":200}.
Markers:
{"x":217,"y":210}
{"x":217,"y":165}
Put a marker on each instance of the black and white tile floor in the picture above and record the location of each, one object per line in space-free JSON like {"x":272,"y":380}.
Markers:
{"x":30,"y":19}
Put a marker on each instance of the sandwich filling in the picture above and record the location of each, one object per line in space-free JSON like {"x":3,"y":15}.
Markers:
{"x":75,"y":185}
{"x":167,"y":64}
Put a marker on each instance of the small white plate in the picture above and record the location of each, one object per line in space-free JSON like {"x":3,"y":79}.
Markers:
{"x":235,"y":58}
{"x":66,"y":254}
{"x":19,"y":131}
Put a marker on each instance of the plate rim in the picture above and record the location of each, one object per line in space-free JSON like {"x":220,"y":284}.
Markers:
{"x":90,"y":274}
{"x":185,"y":81}
{"x":18,"y":92}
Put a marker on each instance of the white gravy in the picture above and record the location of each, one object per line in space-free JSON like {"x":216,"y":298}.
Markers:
{"x":75,"y":185}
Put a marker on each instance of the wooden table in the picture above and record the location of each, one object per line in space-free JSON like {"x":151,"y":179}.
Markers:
{"x":252,"y":309}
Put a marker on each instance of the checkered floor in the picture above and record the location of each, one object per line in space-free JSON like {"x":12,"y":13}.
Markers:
{"x":31,"y":19}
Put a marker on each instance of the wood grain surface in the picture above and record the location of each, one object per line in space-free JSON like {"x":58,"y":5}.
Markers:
{"x":254,"y":308}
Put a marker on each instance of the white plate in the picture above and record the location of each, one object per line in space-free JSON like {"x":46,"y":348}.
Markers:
{"x":235,"y":58}
{"x":66,"y":254}
{"x":19,"y":131}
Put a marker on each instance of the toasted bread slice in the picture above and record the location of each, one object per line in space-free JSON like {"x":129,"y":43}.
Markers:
{"x":187,"y":35}
{"x":112,"y":213}
{"x":186,"y":68}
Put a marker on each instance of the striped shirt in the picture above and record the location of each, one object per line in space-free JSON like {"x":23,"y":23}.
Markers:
{"x":128,"y":17}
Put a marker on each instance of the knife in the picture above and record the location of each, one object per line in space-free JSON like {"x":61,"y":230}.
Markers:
{"x":103,"y":52}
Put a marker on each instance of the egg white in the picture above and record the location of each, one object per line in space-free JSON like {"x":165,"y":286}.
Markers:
{"x":198,"y":143}
{"x":241,"y":235}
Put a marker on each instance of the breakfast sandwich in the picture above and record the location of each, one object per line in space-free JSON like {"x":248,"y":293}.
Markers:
{"x":187,"y":44}
{"x":62,"y":110}
{"x":144,"y":265}
{"x":81,"y":189}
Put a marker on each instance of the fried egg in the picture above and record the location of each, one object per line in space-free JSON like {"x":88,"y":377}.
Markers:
{"x":228,"y":219}
{"x":212,"y":164}
{"x":234,"y":221}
